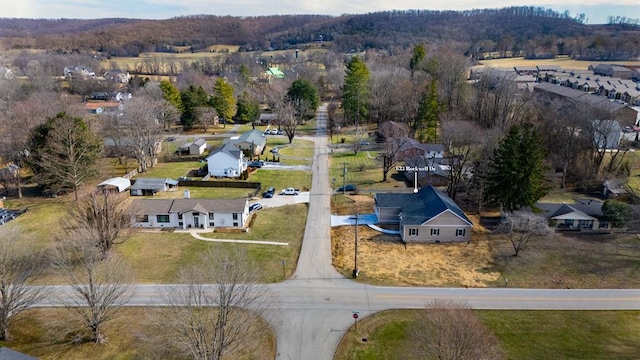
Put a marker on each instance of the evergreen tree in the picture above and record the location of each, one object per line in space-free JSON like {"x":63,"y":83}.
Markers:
{"x":304,"y":96}
{"x":192,"y":98}
{"x":416,"y":60}
{"x":515,"y":176}
{"x":171,"y":94}
{"x":223,"y":100}
{"x":355,"y":98}
{"x":617,"y":212}
{"x":248,"y":109}
{"x":64,"y":153}
{"x":426,"y":125}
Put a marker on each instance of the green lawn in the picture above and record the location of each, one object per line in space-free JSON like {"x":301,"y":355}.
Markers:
{"x":363,"y":170}
{"x":171,"y":170}
{"x":280,"y":179}
{"x":524,"y":335}
{"x":157,"y":256}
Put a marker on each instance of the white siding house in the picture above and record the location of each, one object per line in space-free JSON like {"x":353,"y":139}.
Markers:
{"x":191,"y":213}
{"x":227,"y":161}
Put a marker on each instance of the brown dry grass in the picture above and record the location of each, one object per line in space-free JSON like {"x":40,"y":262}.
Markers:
{"x":42,"y":333}
{"x":384,"y":260}
{"x":564,"y":62}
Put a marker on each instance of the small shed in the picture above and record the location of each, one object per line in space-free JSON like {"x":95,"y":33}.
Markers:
{"x":151,"y":186}
{"x":197,"y":147}
{"x":116,"y":184}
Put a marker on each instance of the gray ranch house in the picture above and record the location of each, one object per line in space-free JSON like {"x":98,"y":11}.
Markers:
{"x":426,"y":216}
{"x":584,"y":215}
{"x":191,"y":213}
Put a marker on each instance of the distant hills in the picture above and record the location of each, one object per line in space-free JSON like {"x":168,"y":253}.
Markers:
{"x":530,"y":31}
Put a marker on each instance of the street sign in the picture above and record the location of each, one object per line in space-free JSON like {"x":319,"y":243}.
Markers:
{"x":355,"y":315}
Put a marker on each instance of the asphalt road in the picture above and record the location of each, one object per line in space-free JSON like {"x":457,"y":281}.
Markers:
{"x":316,"y":305}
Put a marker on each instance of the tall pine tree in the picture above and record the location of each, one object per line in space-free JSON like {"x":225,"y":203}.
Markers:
{"x":516,"y":175}
{"x":223,"y":100}
{"x":355,"y":98}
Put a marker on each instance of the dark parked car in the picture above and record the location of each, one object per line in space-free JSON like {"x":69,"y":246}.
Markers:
{"x":254,"y":207}
{"x":347,"y":188}
{"x":269,"y":193}
{"x":256,"y":164}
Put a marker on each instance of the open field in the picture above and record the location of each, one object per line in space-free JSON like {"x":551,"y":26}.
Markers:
{"x":564,"y":62}
{"x":523,"y":334}
{"x":363,"y":170}
{"x":279,"y":179}
{"x":37,"y":333}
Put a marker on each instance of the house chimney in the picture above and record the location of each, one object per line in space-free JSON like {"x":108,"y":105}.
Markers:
{"x":187,"y":194}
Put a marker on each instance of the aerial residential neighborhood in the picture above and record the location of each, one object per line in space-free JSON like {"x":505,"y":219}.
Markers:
{"x":320,"y":187}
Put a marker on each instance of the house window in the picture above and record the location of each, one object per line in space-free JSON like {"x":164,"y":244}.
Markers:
{"x":143,"y":218}
{"x":235,"y":216}
{"x":179,"y":216}
{"x":568,"y":223}
{"x":235,"y":224}
{"x":212,"y":224}
{"x":162,"y":218}
{"x":180,"y":223}
{"x":210,"y":216}
{"x":435,"y":232}
{"x":413,"y":232}
{"x":460,"y":232}
{"x":603,"y":225}
{"x":585,"y":224}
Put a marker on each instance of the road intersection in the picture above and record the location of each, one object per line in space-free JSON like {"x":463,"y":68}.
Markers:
{"x":315,"y":306}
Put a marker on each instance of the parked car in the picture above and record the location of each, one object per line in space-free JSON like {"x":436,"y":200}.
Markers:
{"x":267,"y":132}
{"x":280,"y":132}
{"x":254,"y":207}
{"x":6,"y":215}
{"x":256,"y":164}
{"x":364,"y":143}
{"x":184,"y":178}
{"x":274,"y":150}
{"x":170,"y":139}
{"x":347,"y":188}
{"x":269,"y":193}
{"x":289,"y":191}
{"x":274,"y":131}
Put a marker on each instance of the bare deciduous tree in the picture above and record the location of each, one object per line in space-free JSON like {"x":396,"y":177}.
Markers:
{"x":395,"y":135}
{"x":100,"y":287}
{"x":461,"y":139}
{"x":216,"y":309}
{"x":447,"y":330}
{"x":18,"y":267}
{"x":142,"y":125}
{"x":520,"y":227}
{"x":104,"y":217}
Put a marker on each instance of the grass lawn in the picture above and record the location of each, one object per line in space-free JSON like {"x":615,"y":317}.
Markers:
{"x":523,"y":334}
{"x":157,"y":256}
{"x":38,"y":333}
{"x":171,"y":170}
{"x":281,"y":179}
{"x":363,"y":170}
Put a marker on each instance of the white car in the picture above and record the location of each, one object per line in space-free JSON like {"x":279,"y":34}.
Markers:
{"x":289,"y":191}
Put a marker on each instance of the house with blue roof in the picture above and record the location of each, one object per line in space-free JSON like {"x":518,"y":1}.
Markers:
{"x":426,"y":216}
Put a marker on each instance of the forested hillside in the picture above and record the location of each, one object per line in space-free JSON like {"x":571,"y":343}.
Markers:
{"x":532,"y":32}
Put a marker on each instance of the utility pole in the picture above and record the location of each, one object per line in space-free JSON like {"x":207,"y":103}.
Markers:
{"x":355,"y":252}
{"x":344,"y":178}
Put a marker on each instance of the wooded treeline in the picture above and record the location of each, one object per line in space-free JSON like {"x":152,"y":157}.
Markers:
{"x":533,"y":32}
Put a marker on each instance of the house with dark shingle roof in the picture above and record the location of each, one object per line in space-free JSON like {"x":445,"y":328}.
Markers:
{"x":8,"y":354}
{"x":426,"y":216}
{"x":584,"y":215}
{"x":191,"y":213}
{"x":252,"y":142}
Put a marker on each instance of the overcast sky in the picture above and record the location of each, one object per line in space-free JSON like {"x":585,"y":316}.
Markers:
{"x":596,"y":12}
